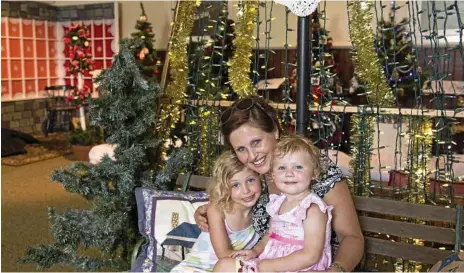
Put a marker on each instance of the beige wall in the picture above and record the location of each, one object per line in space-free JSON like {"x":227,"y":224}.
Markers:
{"x":160,"y":15}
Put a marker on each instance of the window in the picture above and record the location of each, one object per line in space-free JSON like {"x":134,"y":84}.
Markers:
{"x":28,"y":57}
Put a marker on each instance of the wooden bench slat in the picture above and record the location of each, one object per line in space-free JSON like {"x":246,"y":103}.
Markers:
{"x":408,"y":230}
{"x":397,"y":208}
{"x":196,"y":181}
{"x":405,"y":251}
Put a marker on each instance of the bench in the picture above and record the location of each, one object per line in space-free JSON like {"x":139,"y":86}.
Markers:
{"x":389,"y":225}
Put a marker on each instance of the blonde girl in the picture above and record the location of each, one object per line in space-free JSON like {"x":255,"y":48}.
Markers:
{"x":234,"y":190}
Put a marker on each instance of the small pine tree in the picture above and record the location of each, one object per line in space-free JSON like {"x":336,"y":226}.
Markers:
{"x":145,"y":53}
{"x":126,"y":110}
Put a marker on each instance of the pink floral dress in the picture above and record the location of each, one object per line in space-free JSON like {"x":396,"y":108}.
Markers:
{"x":286,"y":234}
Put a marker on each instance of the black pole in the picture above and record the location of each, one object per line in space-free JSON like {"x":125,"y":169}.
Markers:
{"x":303,"y":68}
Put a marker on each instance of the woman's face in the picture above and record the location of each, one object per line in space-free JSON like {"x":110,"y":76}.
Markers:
{"x":254,"y":147}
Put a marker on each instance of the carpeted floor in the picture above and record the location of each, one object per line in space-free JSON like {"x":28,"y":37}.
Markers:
{"x":27,"y":192}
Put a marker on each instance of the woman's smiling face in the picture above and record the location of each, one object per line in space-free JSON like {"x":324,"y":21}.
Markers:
{"x":254,"y":147}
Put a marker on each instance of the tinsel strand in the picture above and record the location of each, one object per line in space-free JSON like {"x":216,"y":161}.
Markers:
{"x":209,"y":128}
{"x":178,"y":59}
{"x":421,"y":138}
{"x":367,"y":63}
{"x":243,"y":42}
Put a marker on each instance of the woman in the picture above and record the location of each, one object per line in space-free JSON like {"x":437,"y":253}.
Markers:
{"x":251,"y":128}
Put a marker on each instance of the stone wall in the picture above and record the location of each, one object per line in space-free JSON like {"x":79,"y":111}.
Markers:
{"x":25,"y":115}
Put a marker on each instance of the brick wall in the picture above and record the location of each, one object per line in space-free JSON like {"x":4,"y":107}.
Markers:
{"x":25,"y":115}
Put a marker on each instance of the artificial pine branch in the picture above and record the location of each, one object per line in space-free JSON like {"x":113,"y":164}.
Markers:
{"x":165,"y":179}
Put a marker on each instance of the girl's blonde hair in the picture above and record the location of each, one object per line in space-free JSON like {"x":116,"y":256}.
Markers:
{"x":226,"y":166}
{"x":294,"y":143}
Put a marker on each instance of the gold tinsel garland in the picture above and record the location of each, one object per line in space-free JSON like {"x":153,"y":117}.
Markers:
{"x":209,"y":127}
{"x":178,"y":69}
{"x":366,"y":61}
{"x":243,"y":42}
{"x":362,"y":137}
{"x":420,"y":141}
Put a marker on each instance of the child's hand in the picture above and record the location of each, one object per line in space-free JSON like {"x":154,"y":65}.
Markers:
{"x":246,"y":254}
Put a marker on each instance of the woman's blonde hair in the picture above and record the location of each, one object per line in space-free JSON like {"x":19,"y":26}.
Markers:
{"x":294,"y":143}
{"x":226,"y":166}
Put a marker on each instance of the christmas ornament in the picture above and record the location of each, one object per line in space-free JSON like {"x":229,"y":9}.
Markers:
{"x":143,"y":18}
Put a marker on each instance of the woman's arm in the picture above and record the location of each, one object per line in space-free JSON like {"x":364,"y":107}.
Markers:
{"x":218,"y":234}
{"x":346,"y":224}
{"x":314,"y":239}
{"x":200,"y":217}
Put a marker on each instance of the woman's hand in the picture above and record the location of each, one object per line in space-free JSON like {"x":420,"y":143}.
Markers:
{"x":200,"y":218}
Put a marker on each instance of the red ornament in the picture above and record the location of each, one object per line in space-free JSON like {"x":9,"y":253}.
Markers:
{"x":157,"y":71}
{"x":148,"y":30}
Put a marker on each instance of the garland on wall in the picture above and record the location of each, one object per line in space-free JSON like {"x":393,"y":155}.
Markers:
{"x":243,"y":42}
{"x":178,"y":59}
{"x":80,"y":60}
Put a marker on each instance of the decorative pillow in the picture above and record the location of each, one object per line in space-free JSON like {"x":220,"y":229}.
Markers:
{"x":184,"y":235}
{"x":158,"y":213}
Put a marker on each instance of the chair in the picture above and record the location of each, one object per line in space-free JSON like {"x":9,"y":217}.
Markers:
{"x":58,"y":110}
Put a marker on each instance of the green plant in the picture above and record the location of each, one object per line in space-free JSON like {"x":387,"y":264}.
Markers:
{"x":89,"y":137}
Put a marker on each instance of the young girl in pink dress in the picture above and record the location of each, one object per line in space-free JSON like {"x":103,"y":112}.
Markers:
{"x":299,"y":236}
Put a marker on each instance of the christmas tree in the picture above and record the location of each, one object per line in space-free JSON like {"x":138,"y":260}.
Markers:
{"x":126,"y":111}
{"x":399,"y":61}
{"x":145,"y":53}
{"x":396,"y":54}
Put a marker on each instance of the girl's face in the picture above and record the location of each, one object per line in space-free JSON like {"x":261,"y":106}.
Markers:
{"x":245,"y":188}
{"x":254,"y":147}
{"x":293,"y":172}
